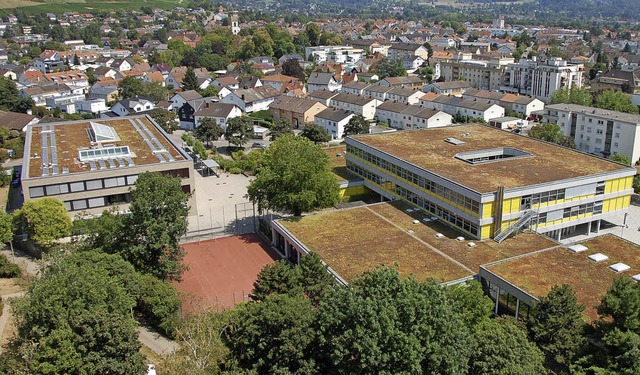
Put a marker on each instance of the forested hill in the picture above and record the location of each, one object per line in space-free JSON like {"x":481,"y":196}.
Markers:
{"x":593,"y":8}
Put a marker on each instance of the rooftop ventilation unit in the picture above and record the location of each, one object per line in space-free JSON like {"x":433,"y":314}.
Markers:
{"x":454,"y":141}
{"x":416,"y":221}
{"x":471,"y":244}
{"x":636,"y":277}
{"x":619,"y":267}
{"x":599,"y":257}
{"x":439,"y":235}
{"x":460,"y":239}
{"x":577,"y":248}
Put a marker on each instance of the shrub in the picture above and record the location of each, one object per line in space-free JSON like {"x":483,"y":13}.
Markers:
{"x":159,"y":303}
{"x":235,"y":170}
{"x":8,"y":270}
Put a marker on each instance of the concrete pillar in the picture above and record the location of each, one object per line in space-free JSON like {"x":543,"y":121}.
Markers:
{"x":497,"y":301}
{"x":274,"y":237}
{"x":517,"y":307}
{"x":298,"y":256}
{"x":598,"y":226}
{"x":287,"y":248}
{"x":559,"y":234}
{"x":589,"y":228}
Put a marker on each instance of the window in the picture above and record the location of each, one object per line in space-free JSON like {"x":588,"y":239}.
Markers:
{"x":617,"y":135}
{"x":599,"y":131}
{"x":76,"y":186}
{"x":94,"y":184}
{"x":37,"y":191}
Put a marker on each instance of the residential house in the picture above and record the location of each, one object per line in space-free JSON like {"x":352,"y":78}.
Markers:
{"x":322,"y":81}
{"x":132,"y":106}
{"x":354,"y":87}
{"x":294,"y":110}
{"x":285,"y":84}
{"x":66,"y":103}
{"x":447,"y":88}
{"x":252,"y":100}
{"x":100,"y":91}
{"x":401,"y":95}
{"x":407,"y":51}
{"x":75,"y":79}
{"x":322,"y":96}
{"x":175,"y":77}
{"x":405,"y":116}
{"x":95,"y":106}
{"x":360,"y":105}
{"x":39,"y":94}
{"x":377,"y":91}
{"x":156,"y":77}
{"x":250,"y":82}
{"x":221,"y":112}
{"x":16,"y":121}
{"x":32,"y":77}
{"x":180,"y":98}
{"x":187,"y":111}
{"x":228,"y":81}
{"x":333,"y":121}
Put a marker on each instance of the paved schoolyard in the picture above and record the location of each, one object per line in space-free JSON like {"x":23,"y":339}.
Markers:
{"x":222,"y":271}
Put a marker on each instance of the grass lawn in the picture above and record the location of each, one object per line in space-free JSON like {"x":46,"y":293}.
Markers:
{"x":4,"y":196}
{"x":338,"y":164}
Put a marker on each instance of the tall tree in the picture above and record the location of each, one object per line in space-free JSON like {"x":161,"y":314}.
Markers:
{"x":158,"y":220}
{"x":620,"y":158}
{"x":294,"y":176}
{"x":356,"y":125}
{"x":387,"y":67}
{"x":315,"y":133}
{"x":166,"y":119}
{"x":502,"y":347}
{"x":616,"y":101}
{"x":190,"y":80}
{"x":574,"y":95}
{"x":10,"y":98}
{"x":46,"y":220}
{"x":292,"y":68}
{"x":556,"y":326}
{"x":313,"y":33}
{"x":131,"y":87}
{"x":280,"y":128}
{"x":6,"y":227}
{"x":551,"y":133}
{"x":239,"y":131}
{"x":276,"y":278}
{"x":620,"y":306}
{"x":315,"y":279}
{"x":76,"y":319}
{"x":208,"y":130}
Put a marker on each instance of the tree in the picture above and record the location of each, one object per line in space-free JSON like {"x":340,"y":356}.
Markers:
{"x":46,"y":220}
{"x":10,"y":98}
{"x":574,"y":95}
{"x":131,"y":87}
{"x":190,"y":80}
{"x":210,"y":91}
{"x":280,"y":128}
{"x":313,"y":33}
{"x":615,"y":101}
{"x":503,"y":348}
{"x":387,"y":67}
{"x":6,"y":227}
{"x":384,"y":324}
{"x":276,"y":278}
{"x":239,"y":131}
{"x":208,"y":130}
{"x":202,"y":350}
{"x":166,"y":119}
{"x":315,"y":279}
{"x":274,"y":336}
{"x":556,"y":325}
{"x":294,"y":176}
{"x":315,"y":133}
{"x":76,"y":319}
{"x":620,"y":306}
{"x":292,"y":68}
{"x":356,"y":125}
{"x":426,"y":74}
{"x":620,"y":158}
{"x":157,"y":221}
{"x":551,"y":133}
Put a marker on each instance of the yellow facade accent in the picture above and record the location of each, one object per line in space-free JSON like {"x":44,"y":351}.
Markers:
{"x":487,"y":210}
{"x":352,"y":191}
{"x":485,"y":232}
{"x":618,"y":184}
{"x":615,"y":204}
{"x":511,"y":205}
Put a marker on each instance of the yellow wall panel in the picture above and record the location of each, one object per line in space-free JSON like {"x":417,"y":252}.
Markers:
{"x":485,"y":232}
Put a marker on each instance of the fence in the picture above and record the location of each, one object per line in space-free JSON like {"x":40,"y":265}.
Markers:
{"x":218,"y":221}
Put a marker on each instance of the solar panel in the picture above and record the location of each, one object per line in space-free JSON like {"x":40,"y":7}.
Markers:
{"x":103,"y":153}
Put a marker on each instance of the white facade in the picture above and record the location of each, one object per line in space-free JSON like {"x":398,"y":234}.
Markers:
{"x":65,"y":103}
{"x":356,"y":104}
{"x":92,"y":105}
{"x":598,"y":131}
{"x":221,"y":120}
{"x":538,"y":80}
{"x":333,"y":121}
{"x":337,"y":54}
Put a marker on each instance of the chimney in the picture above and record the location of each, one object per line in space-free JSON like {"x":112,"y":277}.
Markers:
{"x":242,"y":96}
{"x":206,"y":105}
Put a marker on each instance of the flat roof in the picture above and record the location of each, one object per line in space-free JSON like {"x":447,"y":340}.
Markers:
{"x":428,"y":150}
{"x":379,"y":234}
{"x":338,"y":164}
{"x":537,"y":273}
{"x":70,"y":137}
{"x":596,"y":112}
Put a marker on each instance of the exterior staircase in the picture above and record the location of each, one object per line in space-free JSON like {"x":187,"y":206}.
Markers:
{"x":524,"y":219}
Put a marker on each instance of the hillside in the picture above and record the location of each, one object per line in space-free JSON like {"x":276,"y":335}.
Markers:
{"x":60,"y":6}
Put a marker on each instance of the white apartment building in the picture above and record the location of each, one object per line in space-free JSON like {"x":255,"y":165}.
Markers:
{"x":598,"y":131}
{"x":334,"y":121}
{"x":337,"y":54}
{"x":541,"y":80}
{"x":405,"y":116}
{"x":356,"y":104}
{"x":481,"y":74}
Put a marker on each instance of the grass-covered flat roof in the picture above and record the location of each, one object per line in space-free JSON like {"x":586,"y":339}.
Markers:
{"x":338,"y":164}
{"x":427,"y":149}
{"x":537,"y":273}
{"x":356,"y":240}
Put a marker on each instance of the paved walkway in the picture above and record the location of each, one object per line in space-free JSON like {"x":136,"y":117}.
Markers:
{"x":5,"y":311}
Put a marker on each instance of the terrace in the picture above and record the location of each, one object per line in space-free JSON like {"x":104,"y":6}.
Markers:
{"x":537,"y":273}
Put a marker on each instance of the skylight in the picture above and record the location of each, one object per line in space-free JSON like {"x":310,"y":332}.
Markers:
{"x":104,"y":133}
{"x":489,"y":155}
{"x":104,"y":153}
{"x":578,"y":248}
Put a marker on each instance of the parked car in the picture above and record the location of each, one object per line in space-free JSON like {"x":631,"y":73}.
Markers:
{"x":258,"y":145}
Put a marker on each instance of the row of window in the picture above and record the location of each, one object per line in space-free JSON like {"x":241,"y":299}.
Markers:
{"x":595,"y":208}
{"x":78,"y":186}
{"x":548,"y":196}
{"x":83,"y":204}
{"x":438,"y":189}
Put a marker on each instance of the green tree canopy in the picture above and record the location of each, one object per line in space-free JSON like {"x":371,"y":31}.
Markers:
{"x":616,"y":101}
{"x":166,"y":119}
{"x":551,"y":133}
{"x":356,"y":125}
{"x":239,"y":131}
{"x":574,"y":95}
{"x":280,"y":128}
{"x":76,"y":319}
{"x":294,"y":176}
{"x":315,"y":133}
{"x":557,"y":326}
{"x":620,"y":158}
{"x":387,"y":67}
{"x":292,"y":68}
{"x":6,"y":227}
{"x":46,"y":220}
{"x":157,"y":221}
{"x":313,"y":34}
{"x":208,"y":130}
{"x":10,"y":98}
{"x":190,"y":80}
{"x":131,"y":87}
{"x":502,"y":347}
